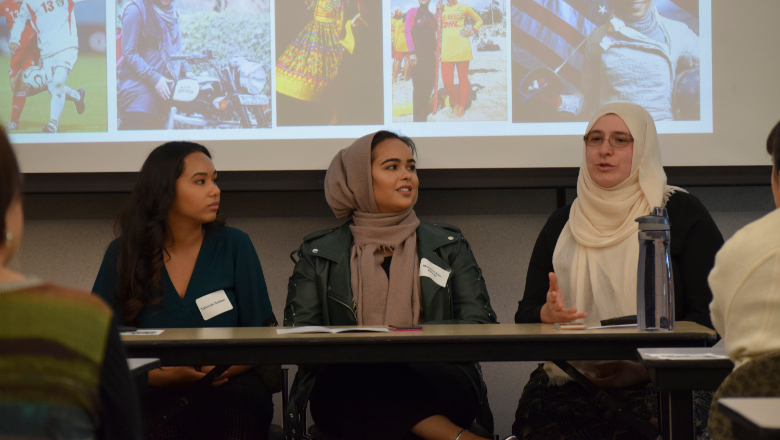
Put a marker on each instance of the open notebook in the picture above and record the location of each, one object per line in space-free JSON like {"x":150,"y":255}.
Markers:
{"x":318,"y":329}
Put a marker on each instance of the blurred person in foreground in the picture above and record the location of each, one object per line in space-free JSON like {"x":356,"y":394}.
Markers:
{"x":745,"y":281}
{"x":63,"y":373}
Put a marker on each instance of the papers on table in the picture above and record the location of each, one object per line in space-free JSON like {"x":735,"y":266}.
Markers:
{"x":318,"y":329}
{"x":684,"y":356}
{"x":585,"y":326}
{"x":142,"y":333}
{"x":606,"y":327}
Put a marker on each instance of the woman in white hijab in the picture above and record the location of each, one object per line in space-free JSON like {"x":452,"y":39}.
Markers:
{"x":584,"y":265}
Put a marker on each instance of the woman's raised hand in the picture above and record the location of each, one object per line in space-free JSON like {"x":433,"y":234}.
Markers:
{"x":553,"y":310}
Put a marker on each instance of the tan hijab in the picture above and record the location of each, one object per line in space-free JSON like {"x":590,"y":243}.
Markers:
{"x":349,"y":191}
{"x":597,"y":252}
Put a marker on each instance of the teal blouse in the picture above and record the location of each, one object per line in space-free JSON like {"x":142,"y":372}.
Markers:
{"x":227,"y":261}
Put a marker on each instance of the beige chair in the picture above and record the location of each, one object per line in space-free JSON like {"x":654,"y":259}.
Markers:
{"x":759,"y":377}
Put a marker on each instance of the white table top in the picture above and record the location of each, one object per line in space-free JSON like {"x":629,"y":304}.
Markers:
{"x":675,"y":353}
{"x":142,"y":365}
{"x":764,"y":412}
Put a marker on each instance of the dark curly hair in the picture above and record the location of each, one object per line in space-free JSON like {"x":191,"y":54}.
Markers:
{"x":772,"y":142}
{"x":143,"y":226}
{"x":10,"y":180}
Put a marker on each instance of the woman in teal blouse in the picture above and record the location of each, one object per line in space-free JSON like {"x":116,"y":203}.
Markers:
{"x":175,"y":253}
{"x":227,"y":261}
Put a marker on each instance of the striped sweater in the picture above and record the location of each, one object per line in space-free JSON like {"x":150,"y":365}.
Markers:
{"x":52,"y":346}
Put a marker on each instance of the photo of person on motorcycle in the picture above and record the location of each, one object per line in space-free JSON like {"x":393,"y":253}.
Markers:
{"x":216,"y":77}
{"x":329,"y":56}
{"x":150,"y":35}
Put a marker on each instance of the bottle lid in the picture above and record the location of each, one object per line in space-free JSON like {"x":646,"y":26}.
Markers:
{"x":657,"y":221}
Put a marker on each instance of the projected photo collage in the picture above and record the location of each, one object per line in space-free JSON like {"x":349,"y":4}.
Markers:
{"x":268,"y":65}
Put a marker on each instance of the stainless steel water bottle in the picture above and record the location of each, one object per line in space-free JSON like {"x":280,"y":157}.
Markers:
{"x":655,"y":287}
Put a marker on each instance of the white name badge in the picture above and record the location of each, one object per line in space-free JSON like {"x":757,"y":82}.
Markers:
{"x":434,"y":272}
{"x":213,"y":304}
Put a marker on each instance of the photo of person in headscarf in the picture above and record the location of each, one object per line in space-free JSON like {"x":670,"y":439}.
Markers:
{"x":642,"y":51}
{"x":330,"y":72}
{"x":150,"y":34}
{"x":193,"y":44}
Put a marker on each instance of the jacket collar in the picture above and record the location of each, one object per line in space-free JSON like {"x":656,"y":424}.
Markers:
{"x":431,"y":237}
{"x":334,"y":245}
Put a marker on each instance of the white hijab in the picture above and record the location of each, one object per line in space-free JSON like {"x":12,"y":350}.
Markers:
{"x":597,"y":252}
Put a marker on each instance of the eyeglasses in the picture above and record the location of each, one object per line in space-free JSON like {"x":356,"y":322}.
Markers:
{"x":616,"y":140}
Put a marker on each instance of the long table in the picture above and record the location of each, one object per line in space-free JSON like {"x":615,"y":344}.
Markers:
{"x":435,"y":343}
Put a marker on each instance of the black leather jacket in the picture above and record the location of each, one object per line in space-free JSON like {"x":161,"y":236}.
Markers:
{"x":319,"y":293}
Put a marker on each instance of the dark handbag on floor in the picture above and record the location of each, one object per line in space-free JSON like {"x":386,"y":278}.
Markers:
{"x":271,"y":375}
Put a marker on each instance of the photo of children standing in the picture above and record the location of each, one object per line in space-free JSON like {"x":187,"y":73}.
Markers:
{"x":457,"y":61}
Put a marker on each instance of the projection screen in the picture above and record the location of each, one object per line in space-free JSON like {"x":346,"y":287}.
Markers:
{"x":282,"y":85}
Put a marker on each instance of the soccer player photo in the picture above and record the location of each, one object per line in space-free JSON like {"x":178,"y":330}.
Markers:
{"x":56,"y":66}
{"x":193,"y":64}
{"x":456,"y":56}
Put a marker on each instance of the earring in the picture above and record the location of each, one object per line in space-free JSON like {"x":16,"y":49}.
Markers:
{"x":8,"y":237}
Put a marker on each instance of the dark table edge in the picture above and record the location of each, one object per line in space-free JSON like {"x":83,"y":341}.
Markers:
{"x":471,"y":178}
{"x":442,"y":339}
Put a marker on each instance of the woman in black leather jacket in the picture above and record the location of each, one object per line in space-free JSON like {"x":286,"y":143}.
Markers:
{"x":386,"y":267}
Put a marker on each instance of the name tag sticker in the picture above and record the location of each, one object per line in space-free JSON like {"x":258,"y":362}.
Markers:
{"x":434,"y":272}
{"x":213,"y":304}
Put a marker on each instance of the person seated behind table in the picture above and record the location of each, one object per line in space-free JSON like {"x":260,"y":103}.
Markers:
{"x":373,"y":270}
{"x":63,"y":372}
{"x":173,"y":250}
{"x":745,"y":282}
{"x":584,"y":265}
